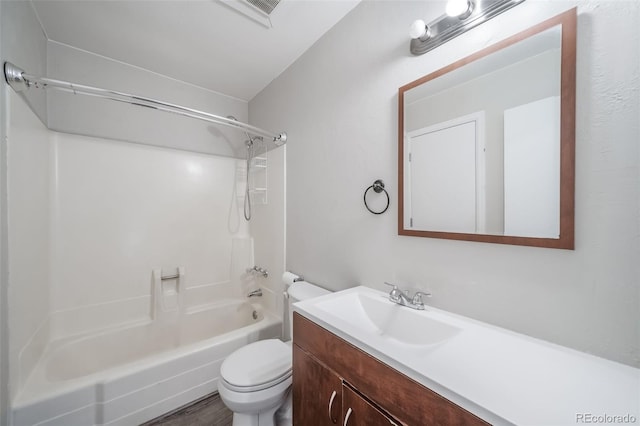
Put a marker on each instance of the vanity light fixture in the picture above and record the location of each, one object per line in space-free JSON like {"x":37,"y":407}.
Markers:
{"x":460,"y":17}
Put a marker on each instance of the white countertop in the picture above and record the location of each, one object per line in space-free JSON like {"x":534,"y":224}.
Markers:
{"x":501,"y":376}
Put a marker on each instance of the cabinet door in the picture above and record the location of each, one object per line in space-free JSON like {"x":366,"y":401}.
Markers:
{"x":359,"y":412}
{"x":317,"y":392}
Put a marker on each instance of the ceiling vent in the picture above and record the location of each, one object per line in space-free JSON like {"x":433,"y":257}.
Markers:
{"x":266,"y":6}
{"x":256,"y":10}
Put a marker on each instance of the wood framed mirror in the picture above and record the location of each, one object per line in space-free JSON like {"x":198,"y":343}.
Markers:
{"x":486,"y":145}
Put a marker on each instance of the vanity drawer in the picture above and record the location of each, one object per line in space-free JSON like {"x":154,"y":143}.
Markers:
{"x":399,"y":395}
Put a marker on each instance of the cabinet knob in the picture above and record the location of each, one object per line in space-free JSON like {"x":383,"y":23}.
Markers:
{"x":333,"y":396}
{"x":346,"y":417}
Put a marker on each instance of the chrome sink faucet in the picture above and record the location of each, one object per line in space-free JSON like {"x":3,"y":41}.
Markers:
{"x":402,"y":298}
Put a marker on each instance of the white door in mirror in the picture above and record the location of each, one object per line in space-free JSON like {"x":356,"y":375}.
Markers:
{"x":446,"y":163}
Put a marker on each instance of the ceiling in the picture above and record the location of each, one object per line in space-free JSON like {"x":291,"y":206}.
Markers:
{"x":208,"y":43}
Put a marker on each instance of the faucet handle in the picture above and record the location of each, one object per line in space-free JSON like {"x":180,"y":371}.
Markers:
{"x":395,"y":290}
{"x":417,"y":298}
{"x":395,"y":295}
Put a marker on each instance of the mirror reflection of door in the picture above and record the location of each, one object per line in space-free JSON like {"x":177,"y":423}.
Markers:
{"x":446,"y":163}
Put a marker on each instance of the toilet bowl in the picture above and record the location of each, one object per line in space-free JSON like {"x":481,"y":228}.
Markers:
{"x":255,"y":381}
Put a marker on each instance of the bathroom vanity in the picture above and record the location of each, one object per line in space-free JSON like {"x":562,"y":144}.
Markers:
{"x":360,"y":359}
{"x":336,"y":383}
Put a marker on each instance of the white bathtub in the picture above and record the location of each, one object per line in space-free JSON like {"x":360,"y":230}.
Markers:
{"x":130,"y":374}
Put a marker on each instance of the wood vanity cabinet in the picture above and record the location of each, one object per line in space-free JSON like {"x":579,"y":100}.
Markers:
{"x":334,"y":381}
{"x":358,"y":411}
{"x":320,"y":397}
{"x":317,"y":391}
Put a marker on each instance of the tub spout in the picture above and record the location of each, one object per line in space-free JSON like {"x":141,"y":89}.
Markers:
{"x":253,"y":293}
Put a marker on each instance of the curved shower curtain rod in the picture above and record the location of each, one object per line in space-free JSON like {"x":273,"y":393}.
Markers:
{"x":21,"y":81}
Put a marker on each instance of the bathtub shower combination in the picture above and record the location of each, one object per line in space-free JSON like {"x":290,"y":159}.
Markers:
{"x":135,"y":371}
{"x":130,"y":374}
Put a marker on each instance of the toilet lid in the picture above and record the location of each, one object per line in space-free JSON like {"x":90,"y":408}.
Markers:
{"x":257,"y":364}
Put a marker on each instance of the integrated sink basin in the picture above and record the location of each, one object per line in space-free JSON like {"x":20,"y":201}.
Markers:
{"x":375,"y":314}
{"x":492,"y":372}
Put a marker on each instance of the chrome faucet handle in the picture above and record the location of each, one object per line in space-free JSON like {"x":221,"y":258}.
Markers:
{"x":395,"y":295}
{"x":417,"y":299}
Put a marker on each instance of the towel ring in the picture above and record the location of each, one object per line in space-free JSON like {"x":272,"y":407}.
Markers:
{"x":378,"y":187}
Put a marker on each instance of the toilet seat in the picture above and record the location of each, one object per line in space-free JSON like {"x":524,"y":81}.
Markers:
{"x":257,"y":366}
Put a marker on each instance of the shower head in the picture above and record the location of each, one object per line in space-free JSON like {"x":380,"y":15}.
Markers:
{"x":250,"y":152}
{"x":249,"y":140}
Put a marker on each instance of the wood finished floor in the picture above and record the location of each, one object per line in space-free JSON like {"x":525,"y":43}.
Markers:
{"x":207,"y":411}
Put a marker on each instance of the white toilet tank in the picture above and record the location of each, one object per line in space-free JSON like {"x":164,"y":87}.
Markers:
{"x":301,"y":290}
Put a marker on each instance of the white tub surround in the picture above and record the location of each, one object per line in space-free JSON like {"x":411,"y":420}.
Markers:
{"x":130,"y":374}
{"x":501,"y":376}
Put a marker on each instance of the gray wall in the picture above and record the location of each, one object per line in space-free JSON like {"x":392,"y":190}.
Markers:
{"x":338,"y":103}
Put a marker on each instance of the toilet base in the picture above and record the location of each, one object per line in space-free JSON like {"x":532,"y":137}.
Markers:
{"x":266,"y":418}
{"x":257,"y":408}
{"x":277,"y":416}
{"x":284,"y":415}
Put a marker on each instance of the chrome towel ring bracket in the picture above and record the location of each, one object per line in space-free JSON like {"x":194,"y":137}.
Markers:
{"x":378,"y":187}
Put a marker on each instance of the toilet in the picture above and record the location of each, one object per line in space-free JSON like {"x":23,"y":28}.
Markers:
{"x":255,"y":381}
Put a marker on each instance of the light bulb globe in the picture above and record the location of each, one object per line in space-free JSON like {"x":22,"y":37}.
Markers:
{"x":418,"y":29}
{"x":457,"y":7}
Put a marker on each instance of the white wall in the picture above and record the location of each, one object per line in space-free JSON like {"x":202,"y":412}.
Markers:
{"x":121,"y":210}
{"x":27,"y":206}
{"x":4,"y":276}
{"x":113,"y":120}
{"x":29,"y":238}
{"x":338,"y":103}
{"x":268,"y":229}
{"x":25,"y":45}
